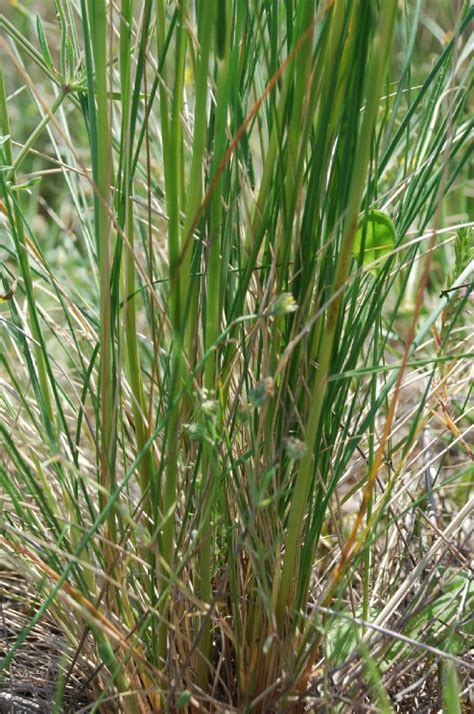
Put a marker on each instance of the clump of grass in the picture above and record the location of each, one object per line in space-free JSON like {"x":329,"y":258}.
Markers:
{"x":235,"y":415}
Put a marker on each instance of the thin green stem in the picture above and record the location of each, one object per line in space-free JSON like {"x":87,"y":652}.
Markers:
{"x":19,"y":233}
{"x":380,"y":53}
{"x":213,"y":312}
{"x":34,"y":136}
{"x":97,"y":13}
{"x":173,"y":156}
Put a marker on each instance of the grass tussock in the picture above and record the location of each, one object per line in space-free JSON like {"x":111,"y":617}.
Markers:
{"x":236,"y":256}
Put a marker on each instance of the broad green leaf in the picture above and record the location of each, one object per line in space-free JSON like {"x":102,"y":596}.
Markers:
{"x":344,"y":635}
{"x":451,"y":691}
{"x":428,"y":625}
{"x":376,"y":234}
{"x":375,"y":679}
{"x":433,"y":623}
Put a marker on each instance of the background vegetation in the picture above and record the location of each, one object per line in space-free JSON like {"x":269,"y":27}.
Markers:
{"x":236,"y":354}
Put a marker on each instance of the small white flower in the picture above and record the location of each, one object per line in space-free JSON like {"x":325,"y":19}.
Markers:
{"x":284,"y":304}
{"x":295,"y":448}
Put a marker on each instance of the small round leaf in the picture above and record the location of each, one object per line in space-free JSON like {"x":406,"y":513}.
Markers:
{"x":376,"y":233}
